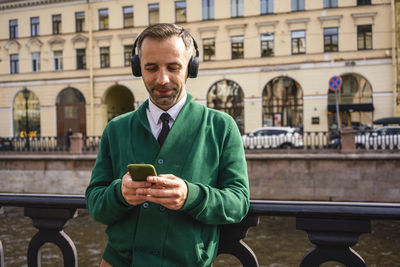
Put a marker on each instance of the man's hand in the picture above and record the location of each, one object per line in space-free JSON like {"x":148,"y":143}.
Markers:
{"x":167,"y":190}
{"x":129,"y":190}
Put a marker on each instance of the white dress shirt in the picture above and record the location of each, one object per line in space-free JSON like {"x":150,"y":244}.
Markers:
{"x":154,"y":113}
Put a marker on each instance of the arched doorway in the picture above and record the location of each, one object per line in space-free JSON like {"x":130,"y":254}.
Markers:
{"x":355,"y":103}
{"x":26,"y":103}
{"x":71,"y":111}
{"x":282,"y":103}
{"x":227,"y":96}
{"x":118,"y":100}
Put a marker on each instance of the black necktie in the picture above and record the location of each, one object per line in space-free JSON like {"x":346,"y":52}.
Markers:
{"x":165,"y":128}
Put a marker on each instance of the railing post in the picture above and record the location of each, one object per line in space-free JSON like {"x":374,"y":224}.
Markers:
{"x":50,"y":222}
{"x":231,"y":241}
{"x":333,"y":238}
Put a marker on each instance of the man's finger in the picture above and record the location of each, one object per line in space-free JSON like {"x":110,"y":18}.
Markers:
{"x":162,"y":181}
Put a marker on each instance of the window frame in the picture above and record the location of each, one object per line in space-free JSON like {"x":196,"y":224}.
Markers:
{"x":14,"y":63}
{"x":13,"y":29}
{"x":331,"y":39}
{"x":56,"y":24}
{"x":268,"y":5}
{"x":297,"y":5}
{"x":207,"y":9}
{"x":237,"y":45}
{"x":128,"y":17}
{"x":79,"y":21}
{"x":268,"y":43}
{"x":81,"y":59}
{"x":104,"y":57}
{"x":35,"y":26}
{"x":127,"y":55}
{"x":363,"y":2}
{"x":35,"y":57}
{"x":207,"y":56}
{"x":58,"y":60}
{"x":330,"y":3}
{"x":153,"y":8}
{"x":363,"y":34}
{"x":298,"y":42}
{"x":104,"y":19}
{"x":180,"y":8}
{"x":237,"y":7}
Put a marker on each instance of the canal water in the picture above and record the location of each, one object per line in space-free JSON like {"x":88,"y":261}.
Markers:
{"x":275,"y":241}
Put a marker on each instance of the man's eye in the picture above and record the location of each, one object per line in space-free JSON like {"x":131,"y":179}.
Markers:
{"x":151,"y":69}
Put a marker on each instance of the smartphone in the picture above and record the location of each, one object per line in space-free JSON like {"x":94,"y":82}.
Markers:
{"x":139,"y":172}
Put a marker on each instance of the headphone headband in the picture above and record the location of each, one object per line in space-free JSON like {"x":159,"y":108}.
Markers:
{"x":193,"y":66}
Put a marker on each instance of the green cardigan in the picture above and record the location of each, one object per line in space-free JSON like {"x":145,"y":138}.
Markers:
{"x":205,"y":149}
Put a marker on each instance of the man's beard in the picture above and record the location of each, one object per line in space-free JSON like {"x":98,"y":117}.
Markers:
{"x":164,"y":100}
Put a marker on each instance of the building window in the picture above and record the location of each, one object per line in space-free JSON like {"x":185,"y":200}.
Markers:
{"x":236,"y":8}
{"x":14,"y":63}
{"x":266,"y":7}
{"x":267,"y":45}
{"x":364,"y":37}
{"x":13,"y":28}
{"x":104,"y":57}
{"x":330,"y":3}
{"x":103,"y":19}
{"x":154,"y":14}
{"x":208,"y":49}
{"x":298,"y":5}
{"x":237,"y":47}
{"x":363,"y":2}
{"x":79,"y":21}
{"x":298,"y":42}
{"x":180,"y":11}
{"x":127,"y":55}
{"x":81,"y":59}
{"x":35,"y":29}
{"x":23,"y":125}
{"x":207,"y":9}
{"x":331,"y":40}
{"x":56,"y":20}
{"x":35,"y":62}
{"x":58,"y":60}
{"x":128,"y":16}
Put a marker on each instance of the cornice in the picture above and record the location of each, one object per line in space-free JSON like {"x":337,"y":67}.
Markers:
{"x":28,"y":3}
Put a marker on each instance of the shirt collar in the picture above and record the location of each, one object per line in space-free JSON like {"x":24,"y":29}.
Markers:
{"x":173,"y":111}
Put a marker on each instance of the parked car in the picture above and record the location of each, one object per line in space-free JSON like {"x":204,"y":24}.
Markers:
{"x":273,"y":137}
{"x":386,"y":137}
{"x":6,"y":144}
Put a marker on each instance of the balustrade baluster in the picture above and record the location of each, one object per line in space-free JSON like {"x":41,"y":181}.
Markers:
{"x":333,"y":239}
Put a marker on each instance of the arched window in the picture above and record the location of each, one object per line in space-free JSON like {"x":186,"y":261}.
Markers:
{"x":227,"y":96}
{"x":26,"y":103}
{"x":119,"y":100}
{"x":71,"y":111}
{"x":282,"y":103}
{"x":355,"y":103}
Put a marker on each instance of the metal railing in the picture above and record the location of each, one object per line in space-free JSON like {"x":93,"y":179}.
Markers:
{"x":47,"y":144}
{"x":304,"y":141}
{"x":331,"y":226}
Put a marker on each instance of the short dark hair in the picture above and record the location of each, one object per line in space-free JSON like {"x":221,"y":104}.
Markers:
{"x":163,"y":31}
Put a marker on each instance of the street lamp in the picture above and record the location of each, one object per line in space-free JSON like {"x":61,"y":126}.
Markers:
{"x":26,"y":94}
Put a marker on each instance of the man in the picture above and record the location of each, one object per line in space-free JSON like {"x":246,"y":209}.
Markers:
{"x":170,"y":219}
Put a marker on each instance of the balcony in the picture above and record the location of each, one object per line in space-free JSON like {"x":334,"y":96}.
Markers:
{"x":333,"y":227}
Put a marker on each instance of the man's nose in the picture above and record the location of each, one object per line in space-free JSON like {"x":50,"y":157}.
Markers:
{"x":162,"y":76}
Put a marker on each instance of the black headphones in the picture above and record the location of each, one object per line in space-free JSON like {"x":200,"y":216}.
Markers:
{"x":193,"y":66}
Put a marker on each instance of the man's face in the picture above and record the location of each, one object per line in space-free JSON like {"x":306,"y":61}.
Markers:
{"x":164,"y":70}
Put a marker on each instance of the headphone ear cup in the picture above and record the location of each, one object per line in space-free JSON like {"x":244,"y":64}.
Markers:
{"x":135,"y":65}
{"x":193,"y":67}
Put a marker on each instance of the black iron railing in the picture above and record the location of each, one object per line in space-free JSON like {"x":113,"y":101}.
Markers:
{"x":332,"y":227}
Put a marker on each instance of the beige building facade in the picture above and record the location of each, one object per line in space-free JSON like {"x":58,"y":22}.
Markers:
{"x":265,"y":62}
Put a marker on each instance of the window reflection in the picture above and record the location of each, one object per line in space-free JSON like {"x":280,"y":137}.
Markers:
{"x":20,"y":122}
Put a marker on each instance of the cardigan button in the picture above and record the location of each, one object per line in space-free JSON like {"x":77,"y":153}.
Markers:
{"x":160,"y":161}
{"x":162,"y":208}
{"x":145,"y":205}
